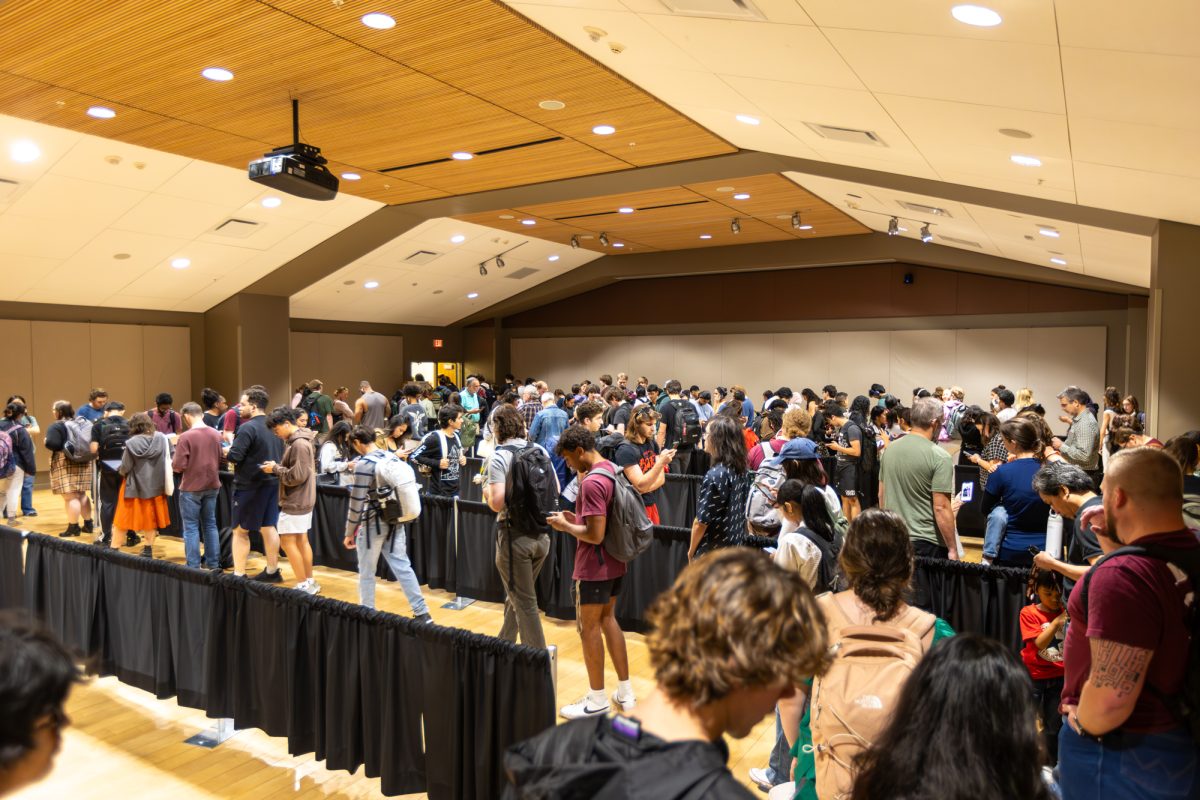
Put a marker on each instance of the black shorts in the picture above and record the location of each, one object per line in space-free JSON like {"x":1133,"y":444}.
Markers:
{"x":597,"y":593}
{"x":846,"y":478}
{"x":257,"y":507}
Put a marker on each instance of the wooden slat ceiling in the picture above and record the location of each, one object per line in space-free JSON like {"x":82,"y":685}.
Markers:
{"x":674,"y":218}
{"x":463,"y":75}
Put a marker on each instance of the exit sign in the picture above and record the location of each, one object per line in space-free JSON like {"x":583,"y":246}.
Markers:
{"x":437,"y":344}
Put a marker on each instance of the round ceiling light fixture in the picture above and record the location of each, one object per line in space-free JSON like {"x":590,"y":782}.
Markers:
{"x":1015,"y":133}
{"x":351,"y":176}
{"x":604,"y":130}
{"x":121,"y":256}
{"x":746,"y":119}
{"x":371,"y":285}
{"x":741,"y":196}
{"x":458,"y":238}
{"x":462,"y":155}
{"x":552,"y":105}
{"x":624,"y":210}
{"x":552,"y":258}
{"x":24,"y":151}
{"x":181,"y":263}
{"x":618,"y":244}
{"x":378,"y":21}
{"x":706,"y":236}
{"x":217,"y":74}
{"x":1062,"y":262}
{"x":271,"y":202}
{"x":101,"y":112}
{"x":978,"y":16}
{"x":1025,"y":161}
{"x":1046,"y":230}
{"x":472,"y":295}
{"x":529,"y":222}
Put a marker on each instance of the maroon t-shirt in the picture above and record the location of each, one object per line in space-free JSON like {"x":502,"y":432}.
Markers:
{"x":1137,"y":601}
{"x":592,"y":562}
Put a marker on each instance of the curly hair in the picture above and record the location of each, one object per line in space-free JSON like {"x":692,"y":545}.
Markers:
{"x":734,"y":619}
{"x":878,"y":560}
{"x":796,"y":423}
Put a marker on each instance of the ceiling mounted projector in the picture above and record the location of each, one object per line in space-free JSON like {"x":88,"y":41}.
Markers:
{"x":298,"y":169}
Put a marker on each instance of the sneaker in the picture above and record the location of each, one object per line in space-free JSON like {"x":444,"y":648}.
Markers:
{"x":627,"y":705}
{"x":425,"y":618}
{"x":582,"y":709}
{"x":132,"y":539}
{"x":29,"y":514}
{"x":147,"y":551}
{"x":268,"y":577}
{"x":758,"y":776}
{"x":313,"y":586}
{"x":11,"y":522}
{"x":87,"y":527}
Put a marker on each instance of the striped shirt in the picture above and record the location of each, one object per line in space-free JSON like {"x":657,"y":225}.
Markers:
{"x":362,"y":483}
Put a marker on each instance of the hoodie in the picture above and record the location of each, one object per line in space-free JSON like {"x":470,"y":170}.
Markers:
{"x":297,"y":474}
{"x":144,"y":466}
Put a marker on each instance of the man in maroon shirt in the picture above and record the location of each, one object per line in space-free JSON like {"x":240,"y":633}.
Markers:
{"x":1127,"y":645}
{"x":597,"y":574}
{"x":198,"y":460}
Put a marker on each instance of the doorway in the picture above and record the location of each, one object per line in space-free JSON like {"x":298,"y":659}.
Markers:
{"x":451,"y":371}
{"x":426,"y":369}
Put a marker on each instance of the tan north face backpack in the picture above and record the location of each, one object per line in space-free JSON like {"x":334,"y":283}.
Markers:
{"x":853,"y":701}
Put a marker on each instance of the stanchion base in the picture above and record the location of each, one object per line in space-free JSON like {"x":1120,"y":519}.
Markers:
{"x":459,"y":603}
{"x":211,"y":737}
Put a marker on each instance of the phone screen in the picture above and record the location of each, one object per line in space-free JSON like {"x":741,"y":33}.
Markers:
{"x":968,"y":491}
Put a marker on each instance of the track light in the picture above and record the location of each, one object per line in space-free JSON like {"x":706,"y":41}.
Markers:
{"x":482,"y":269}
{"x":499,"y":262}
{"x":575,"y":242}
{"x":735,"y":226}
{"x":926,"y":236}
{"x":796,"y":220}
{"x":604,"y":239}
{"x":893,"y":226}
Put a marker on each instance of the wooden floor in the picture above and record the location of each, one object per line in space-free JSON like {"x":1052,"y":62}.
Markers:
{"x":125,"y":743}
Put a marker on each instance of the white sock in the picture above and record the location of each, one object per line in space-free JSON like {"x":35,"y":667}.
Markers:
{"x":597,"y":698}
{"x":625,"y":690}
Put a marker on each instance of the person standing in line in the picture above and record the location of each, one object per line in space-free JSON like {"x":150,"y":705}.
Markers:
{"x":473,"y":404}
{"x":71,"y":480}
{"x":441,"y":452}
{"x":297,"y":478}
{"x":1043,"y":627}
{"x":368,"y":535}
{"x":197,"y":460}
{"x":30,"y":423}
{"x":109,"y":435}
{"x":371,"y":409}
{"x":520,"y":554}
{"x":848,"y":446}
{"x":166,"y":419}
{"x":23,"y":456}
{"x":1082,"y":445}
{"x":255,"y":493}
{"x":93,"y":409}
{"x":639,"y":458}
{"x":598,"y":577}
{"x":342,"y":412}
{"x":146,"y":469}
{"x":214,"y":405}
{"x":234,"y":418}
{"x":547,"y":426}
{"x":721,"y":507}
{"x":317,"y":407}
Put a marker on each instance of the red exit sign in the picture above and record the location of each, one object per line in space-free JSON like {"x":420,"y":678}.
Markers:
{"x":437,"y":344}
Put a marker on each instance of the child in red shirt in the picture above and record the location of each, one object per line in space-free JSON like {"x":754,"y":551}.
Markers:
{"x":1043,"y":628}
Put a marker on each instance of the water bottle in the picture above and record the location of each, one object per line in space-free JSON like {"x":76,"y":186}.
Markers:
{"x":1054,"y":535}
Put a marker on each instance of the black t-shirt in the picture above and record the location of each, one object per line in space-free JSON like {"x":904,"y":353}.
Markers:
{"x":1083,"y":545}
{"x":668,"y":411}
{"x":643,"y":455}
{"x":848,"y":434}
{"x":617,"y":416}
{"x":213,"y":420}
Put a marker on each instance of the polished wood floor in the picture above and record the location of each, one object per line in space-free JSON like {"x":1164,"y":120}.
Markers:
{"x":125,"y":743}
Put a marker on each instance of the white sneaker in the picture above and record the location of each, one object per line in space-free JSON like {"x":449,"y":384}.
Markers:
{"x":758,"y":776}
{"x":313,"y":586}
{"x":583,"y":709}
{"x":628,"y":704}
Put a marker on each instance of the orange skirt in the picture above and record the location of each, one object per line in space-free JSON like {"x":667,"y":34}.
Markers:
{"x":141,"y":514}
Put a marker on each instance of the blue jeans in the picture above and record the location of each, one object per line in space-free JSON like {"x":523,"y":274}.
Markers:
{"x":199,"y":509}
{"x":394,"y":548}
{"x":27,"y":496}
{"x":993,"y":535}
{"x":777,"y":767}
{"x":1156,"y":766}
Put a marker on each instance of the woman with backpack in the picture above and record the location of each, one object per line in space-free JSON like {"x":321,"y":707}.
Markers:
{"x":23,"y":458}
{"x":148,"y":479}
{"x":72,"y":480}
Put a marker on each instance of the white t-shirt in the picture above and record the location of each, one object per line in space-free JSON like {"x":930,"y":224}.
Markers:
{"x":797,"y":553}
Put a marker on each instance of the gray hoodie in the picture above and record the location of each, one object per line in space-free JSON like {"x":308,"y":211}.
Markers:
{"x":144,"y":466}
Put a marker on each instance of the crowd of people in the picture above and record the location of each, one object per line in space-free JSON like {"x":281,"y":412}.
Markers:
{"x":850,"y":491}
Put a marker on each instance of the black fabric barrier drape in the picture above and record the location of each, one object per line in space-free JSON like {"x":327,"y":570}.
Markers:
{"x":554,"y":583}
{"x":477,"y":574}
{"x":432,"y":545}
{"x":975,"y":598}
{"x":327,"y":534}
{"x":677,"y":500}
{"x":650,"y":574}
{"x":12,"y":572}
{"x":224,"y":519}
{"x":355,"y":686}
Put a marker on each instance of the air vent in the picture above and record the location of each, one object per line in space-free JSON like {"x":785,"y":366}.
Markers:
{"x":8,"y":189}
{"x":921,"y":208}
{"x":523,"y":272}
{"x":420,"y":257}
{"x":720,"y":9}
{"x":966,"y":242}
{"x":639,"y":208}
{"x":237,"y":228}
{"x":851,"y":135}
{"x":487,"y":152}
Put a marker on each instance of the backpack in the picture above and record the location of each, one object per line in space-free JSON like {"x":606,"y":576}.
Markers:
{"x":685,"y":426}
{"x":531,"y":492}
{"x":114,"y":432}
{"x":309,"y":406}
{"x":762,"y":518}
{"x":853,"y":701}
{"x":956,"y":416}
{"x":868,"y":456}
{"x":607,"y":445}
{"x":628,"y":532}
{"x":78,"y":447}
{"x":396,"y":488}
{"x":8,"y":460}
{"x":1186,"y":705}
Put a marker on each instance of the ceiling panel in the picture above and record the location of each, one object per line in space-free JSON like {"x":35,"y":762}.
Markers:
{"x":1167,"y":27}
{"x":1142,"y":147}
{"x":1164,"y":196}
{"x":1024,"y":20}
{"x":1139,"y":88}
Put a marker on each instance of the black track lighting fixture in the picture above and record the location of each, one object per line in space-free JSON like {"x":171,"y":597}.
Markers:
{"x":499,"y":262}
{"x":926,"y":236}
{"x":575,"y":241}
{"x":796,"y":220}
{"x":893,"y":226}
{"x":603,"y":239}
{"x":735,"y":225}
{"x":483,"y":268}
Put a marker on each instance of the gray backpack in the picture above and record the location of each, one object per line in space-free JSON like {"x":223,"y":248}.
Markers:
{"x":762,"y":517}
{"x":628,"y":531}
{"x":78,"y":447}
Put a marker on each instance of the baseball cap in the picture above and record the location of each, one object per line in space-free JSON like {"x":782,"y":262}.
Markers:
{"x":799,"y":449}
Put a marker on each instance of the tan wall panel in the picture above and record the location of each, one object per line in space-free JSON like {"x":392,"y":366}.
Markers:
{"x":1061,"y":357}
{"x":920,"y":358}
{"x":62,"y":353}
{"x":306,"y":359}
{"x":654,"y":357}
{"x":699,"y":359}
{"x":597,"y":355}
{"x":856,"y":360}
{"x":748,"y":360}
{"x":345,"y":359}
{"x":166,"y":365}
{"x":801,"y":359}
{"x":117,"y":364}
{"x":985,"y":359}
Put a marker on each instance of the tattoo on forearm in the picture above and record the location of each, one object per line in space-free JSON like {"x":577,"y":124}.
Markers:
{"x":1118,"y":666}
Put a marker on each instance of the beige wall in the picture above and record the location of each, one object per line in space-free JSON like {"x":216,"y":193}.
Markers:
{"x":49,"y":361}
{"x":1045,"y":359}
{"x":344,"y":359}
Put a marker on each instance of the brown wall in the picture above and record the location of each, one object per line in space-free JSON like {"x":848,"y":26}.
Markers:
{"x":479,"y":352}
{"x":345,"y":359}
{"x":857,"y":291}
{"x":417,"y":339}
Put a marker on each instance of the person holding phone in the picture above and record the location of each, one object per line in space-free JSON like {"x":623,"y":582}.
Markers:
{"x":1011,"y":485}
{"x":640,"y":459}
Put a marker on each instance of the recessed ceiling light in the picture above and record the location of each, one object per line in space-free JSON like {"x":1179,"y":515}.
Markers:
{"x":552,"y":105}
{"x":1059,"y":261}
{"x":618,"y":244}
{"x":706,"y":236}
{"x":976,"y":15}
{"x":24,"y":151}
{"x":625,"y":210}
{"x":1051,"y":232}
{"x":507,"y":216}
{"x":741,"y":196}
{"x":462,"y":155}
{"x":529,"y":222}
{"x":604,"y":130}
{"x":458,"y":238}
{"x":371,"y":285}
{"x":380,"y":22}
{"x":1025,"y":161}
{"x":351,"y":176}
{"x":809,"y":228}
{"x":217,"y":74}
{"x":121,"y":256}
{"x":271,"y":202}
{"x":472,"y":295}
{"x":1016,"y":133}
{"x":100,"y":112}
{"x":724,"y":189}
{"x":552,"y":258}
{"x":181,"y":263}
{"x":437,"y":291}
{"x":746,"y":119}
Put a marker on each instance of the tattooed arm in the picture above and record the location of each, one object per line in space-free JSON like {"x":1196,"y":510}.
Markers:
{"x":1112,"y":689}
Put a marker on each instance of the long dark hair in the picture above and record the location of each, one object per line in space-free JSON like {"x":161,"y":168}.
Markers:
{"x":816,"y":512}
{"x":858,"y":410}
{"x":727,"y":443}
{"x":339,"y":435}
{"x":963,"y":727}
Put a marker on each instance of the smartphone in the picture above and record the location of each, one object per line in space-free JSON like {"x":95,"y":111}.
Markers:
{"x":1034,"y":549}
{"x":968,"y":491}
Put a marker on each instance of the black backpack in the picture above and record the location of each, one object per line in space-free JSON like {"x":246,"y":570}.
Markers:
{"x":685,"y":427}
{"x":607,"y":445}
{"x":309,"y":406}
{"x":1186,"y":705}
{"x":531,"y":493}
{"x":114,"y":432}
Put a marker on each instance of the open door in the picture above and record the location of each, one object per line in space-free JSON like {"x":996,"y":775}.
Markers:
{"x":423,"y":371}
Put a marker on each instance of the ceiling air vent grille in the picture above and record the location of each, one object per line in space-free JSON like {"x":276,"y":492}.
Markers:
{"x":921,"y":208}
{"x":955,"y":240}
{"x":851,"y":135}
{"x":237,"y":228}
{"x":523,"y":272}
{"x":721,"y":9}
{"x":420,"y":257}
